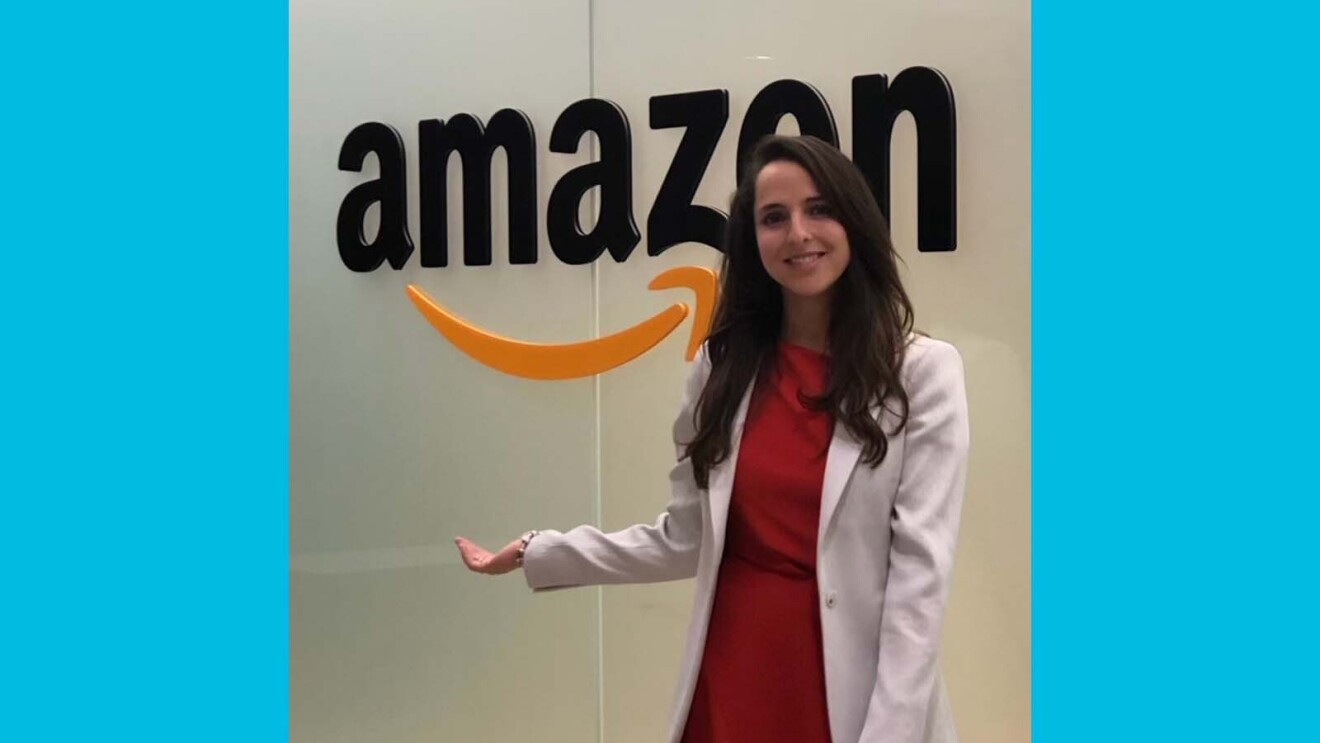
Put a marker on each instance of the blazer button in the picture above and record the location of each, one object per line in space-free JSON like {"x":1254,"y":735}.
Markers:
{"x":829,"y":600}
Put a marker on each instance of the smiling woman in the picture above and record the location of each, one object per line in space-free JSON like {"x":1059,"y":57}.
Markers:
{"x":821,"y":460}
{"x":801,"y":244}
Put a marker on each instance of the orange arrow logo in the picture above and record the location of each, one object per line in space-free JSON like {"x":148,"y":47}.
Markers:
{"x":584,"y":358}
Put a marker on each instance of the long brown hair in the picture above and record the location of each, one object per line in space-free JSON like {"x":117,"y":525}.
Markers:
{"x":870,"y":314}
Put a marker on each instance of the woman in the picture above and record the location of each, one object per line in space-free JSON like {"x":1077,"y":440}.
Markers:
{"x":822,"y":451}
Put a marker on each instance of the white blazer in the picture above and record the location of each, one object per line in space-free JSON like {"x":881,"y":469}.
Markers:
{"x":884,"y":555}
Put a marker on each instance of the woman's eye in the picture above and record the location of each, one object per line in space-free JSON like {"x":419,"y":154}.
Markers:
{"x":772,"y":218}
{"x":821,"y":210}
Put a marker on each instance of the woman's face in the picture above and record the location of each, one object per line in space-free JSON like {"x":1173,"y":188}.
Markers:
{"x":802,"y":246}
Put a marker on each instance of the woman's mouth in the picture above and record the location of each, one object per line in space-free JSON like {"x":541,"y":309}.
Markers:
{"x":805,"y":259}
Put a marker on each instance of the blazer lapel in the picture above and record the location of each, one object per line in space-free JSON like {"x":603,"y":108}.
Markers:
{"x":721,"y":476}
{"x":842,"y":457}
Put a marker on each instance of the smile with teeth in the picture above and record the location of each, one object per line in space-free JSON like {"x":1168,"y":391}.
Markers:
{"x":804,"y":259}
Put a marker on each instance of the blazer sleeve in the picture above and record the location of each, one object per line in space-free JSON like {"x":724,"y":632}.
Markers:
{"x":644,"y":553}
{"x":925,"y":526}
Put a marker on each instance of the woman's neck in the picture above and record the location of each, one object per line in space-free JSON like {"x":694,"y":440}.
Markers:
{"x":807,"y":322}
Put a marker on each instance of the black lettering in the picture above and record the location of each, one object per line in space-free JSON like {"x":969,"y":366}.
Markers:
{"x":926,"y":94}
{"x":674,"y":218}
{"x":475,"y":145}
{"x":774,"y":102}
{"x":615,"y":229}
{"x":392,"y":241}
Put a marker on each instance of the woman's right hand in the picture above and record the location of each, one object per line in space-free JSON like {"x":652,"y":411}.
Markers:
{"x":480,"y":560}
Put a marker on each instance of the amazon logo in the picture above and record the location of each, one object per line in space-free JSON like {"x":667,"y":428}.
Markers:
{"x":673,"y":219}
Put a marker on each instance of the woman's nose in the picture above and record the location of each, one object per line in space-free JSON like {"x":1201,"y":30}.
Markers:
{"x":798,"y":228}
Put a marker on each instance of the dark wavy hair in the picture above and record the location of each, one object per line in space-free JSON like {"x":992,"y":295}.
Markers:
{"x":870,"y":315}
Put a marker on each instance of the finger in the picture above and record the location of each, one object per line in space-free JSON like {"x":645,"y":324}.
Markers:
{"x":470,"y":553}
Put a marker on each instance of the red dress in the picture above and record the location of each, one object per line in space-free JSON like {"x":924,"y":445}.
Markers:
{"x":762,"y":674}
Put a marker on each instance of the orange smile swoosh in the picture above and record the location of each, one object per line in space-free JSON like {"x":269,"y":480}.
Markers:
{"x":584,"y":358}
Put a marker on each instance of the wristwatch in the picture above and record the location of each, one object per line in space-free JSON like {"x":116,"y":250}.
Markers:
{"x":522,"y":548}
